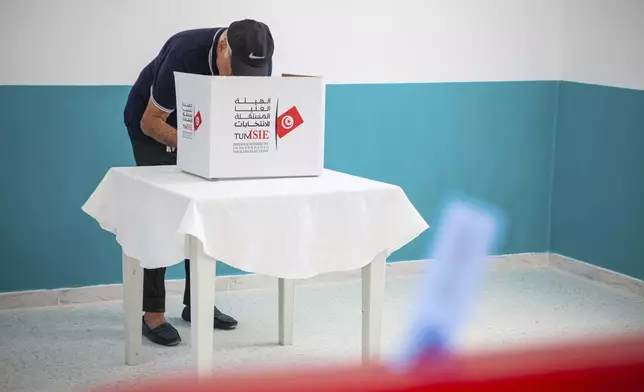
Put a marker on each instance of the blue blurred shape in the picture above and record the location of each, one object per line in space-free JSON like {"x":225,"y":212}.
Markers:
{"x":468,"y":233}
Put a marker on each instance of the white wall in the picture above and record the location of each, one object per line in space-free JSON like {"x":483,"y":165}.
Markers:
{"x":349,"y":41}
{"x":603,"y":42}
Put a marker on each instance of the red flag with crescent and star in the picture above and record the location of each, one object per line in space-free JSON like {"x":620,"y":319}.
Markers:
{"x":288,"y":121}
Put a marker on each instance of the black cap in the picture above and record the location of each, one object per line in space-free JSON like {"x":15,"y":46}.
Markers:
{"x":252,"y":48}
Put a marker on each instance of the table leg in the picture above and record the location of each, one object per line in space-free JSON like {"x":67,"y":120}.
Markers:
{"x":286,"y":308}
{"x":133,"y":308}
{"x":202,"y":294}
{"x":373,"y":288}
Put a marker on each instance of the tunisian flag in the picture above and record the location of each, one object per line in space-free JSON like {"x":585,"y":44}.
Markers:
{"x":288,"y":121}
{"x":197,"y":120}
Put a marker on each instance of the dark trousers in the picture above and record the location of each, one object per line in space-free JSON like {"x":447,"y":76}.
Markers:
{"x":150,"y":153}
{"x":154,"y":289}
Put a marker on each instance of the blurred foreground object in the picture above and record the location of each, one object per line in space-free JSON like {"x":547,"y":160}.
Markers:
{"x":467,"y":233}
{"x":612,"y":364}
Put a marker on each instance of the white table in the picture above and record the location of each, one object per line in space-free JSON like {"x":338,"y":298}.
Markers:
{"x":291,"y":228}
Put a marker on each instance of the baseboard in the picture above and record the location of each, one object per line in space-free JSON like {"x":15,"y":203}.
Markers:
{"x":89,"y":294}
{"x":597,"y":274}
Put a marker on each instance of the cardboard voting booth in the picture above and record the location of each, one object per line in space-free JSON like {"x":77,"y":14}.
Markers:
{"x":250,"y":127}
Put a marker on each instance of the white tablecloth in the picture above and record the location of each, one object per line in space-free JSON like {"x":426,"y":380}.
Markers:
{"x":288,"y":227}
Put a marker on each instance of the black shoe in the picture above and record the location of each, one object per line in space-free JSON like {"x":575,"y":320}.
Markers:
{"x":222,"y":321}
{"x":165,"y":334}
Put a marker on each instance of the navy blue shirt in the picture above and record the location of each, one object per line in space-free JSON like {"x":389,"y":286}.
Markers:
{"x":192,"y":51}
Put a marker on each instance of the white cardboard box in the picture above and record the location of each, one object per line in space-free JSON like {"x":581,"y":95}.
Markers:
{"x":250,"y":127}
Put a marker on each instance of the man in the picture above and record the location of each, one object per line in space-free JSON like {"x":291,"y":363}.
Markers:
{"x":244,"y":48}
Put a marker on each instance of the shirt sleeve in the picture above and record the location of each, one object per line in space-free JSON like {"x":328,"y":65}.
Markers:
{"x":162,"y":91}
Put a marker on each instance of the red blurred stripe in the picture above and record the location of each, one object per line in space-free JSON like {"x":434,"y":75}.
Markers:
{"x":612,"y":364}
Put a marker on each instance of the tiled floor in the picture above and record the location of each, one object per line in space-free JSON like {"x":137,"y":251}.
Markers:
{"x":76,"y":347}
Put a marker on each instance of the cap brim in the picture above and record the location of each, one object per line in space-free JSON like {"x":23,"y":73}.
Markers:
{"x":240,"y":68}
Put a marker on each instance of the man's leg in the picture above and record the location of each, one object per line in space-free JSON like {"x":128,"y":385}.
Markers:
{"x":151,"y":155}
{"x":186,"y":290}
{"x":221,"y":321}
{"x":154,"y":296}
{"x":155,"y":327}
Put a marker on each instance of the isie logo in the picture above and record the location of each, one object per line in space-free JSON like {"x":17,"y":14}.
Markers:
{"x":188,"y":120}
{"x":256,"y":120}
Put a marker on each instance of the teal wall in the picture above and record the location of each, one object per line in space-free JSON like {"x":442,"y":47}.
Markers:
{"x":491,"y":141}
{"x":598,"y":191}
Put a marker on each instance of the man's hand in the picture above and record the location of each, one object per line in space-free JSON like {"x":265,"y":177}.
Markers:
{"x":153,"y":125}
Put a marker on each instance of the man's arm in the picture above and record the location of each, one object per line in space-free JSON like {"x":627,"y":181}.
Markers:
{"x":153,"y":124}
